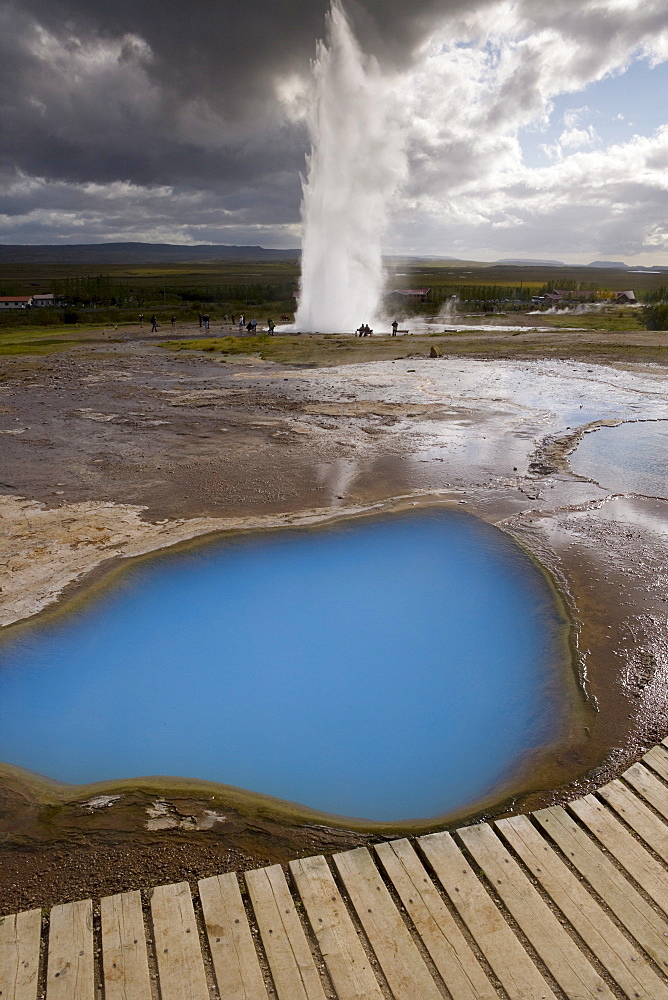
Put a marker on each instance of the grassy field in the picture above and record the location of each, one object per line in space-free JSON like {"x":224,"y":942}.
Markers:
{"x":134,"y":282}
{"x":612,"y":320}
{"x":46,"y":340}
{"x":418,"y":273}
{"x":25,"y":276}
{"x":608,"y":333}
{"x":311,"y":349}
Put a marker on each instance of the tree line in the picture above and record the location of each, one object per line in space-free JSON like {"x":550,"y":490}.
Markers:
{"x":102,"y":290}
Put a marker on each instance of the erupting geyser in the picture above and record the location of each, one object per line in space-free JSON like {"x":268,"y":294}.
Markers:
{"x":356,"y":163}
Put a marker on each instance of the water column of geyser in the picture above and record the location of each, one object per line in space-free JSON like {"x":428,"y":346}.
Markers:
{"x":356,"y":163}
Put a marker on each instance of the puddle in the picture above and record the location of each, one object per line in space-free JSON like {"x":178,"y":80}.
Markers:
{"x":388,"y":669}
{"x":630,"y":458}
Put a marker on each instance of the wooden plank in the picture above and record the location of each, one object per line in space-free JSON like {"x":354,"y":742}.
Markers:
{"x":124,"y":956}
{"x":624,"y":963}
{"x":657,"y":758}
{"x":449,"y":949}
{"x":70,"y":971}
{"x":19,"y":955}
{"x":638,"y":862}
{"x":647,"y":927}
{"x":235,"y":961}
{"x":346,"y":960}
{"x":647,"y":785}
{"x":574,"y":973}
{"x":398,"y":955}
{"x":638,"y":816}
{"x":292,"y":966}
{"x":177,"y":947}
{"x":506,"y":955}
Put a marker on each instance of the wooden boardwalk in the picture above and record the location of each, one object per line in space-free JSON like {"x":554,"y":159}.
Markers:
{"x":568,"y":902}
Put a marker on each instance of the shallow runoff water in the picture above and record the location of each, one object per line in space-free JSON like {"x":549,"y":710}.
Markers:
{"x":630,"y":458}
{"x":391,"y":668}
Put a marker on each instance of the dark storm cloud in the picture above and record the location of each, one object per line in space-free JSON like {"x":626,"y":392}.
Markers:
{"x":172,"y":94}
{"x":229,"y":49}
{"x":185,"y":121}
{"x":165,"y":92}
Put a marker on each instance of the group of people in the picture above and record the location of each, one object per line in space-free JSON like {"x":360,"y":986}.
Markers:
{"x":205,"y":322}
{"x":154,"y":322}
{"x":251,"y":325}
{"x":365,"y":330}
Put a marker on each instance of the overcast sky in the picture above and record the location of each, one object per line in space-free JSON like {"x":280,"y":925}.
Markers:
{"x":533,"y":128}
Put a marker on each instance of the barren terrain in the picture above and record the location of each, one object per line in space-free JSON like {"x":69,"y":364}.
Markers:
{"x":114,"y":446}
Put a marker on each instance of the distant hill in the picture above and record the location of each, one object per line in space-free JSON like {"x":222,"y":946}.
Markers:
{"x":134,"y":254}
{"x":612,"y":265}
{"x":531,"y":263}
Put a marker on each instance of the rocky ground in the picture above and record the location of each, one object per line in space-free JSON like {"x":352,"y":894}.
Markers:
{"x":111,"y":450}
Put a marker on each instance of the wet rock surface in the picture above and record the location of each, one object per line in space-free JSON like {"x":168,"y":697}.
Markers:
{"x":117,"y":450}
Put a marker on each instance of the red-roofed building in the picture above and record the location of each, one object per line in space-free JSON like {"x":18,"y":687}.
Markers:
{"x":567,"y":295}
{"x":15,"y":301}
{"x":412,"y":294}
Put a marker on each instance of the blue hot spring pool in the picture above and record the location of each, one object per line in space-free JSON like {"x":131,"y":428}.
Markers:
{"x":392,"y":668}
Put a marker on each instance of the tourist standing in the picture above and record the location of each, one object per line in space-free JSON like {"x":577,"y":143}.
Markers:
{"x":395,"y":327}
{"x":271,"y":325}
{"x":154,"y":323}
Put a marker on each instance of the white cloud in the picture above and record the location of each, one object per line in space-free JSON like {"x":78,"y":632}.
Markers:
{"x":101,"y":133}
{"x":576,"y":138}
{"x":574,"y":117}
{"x":465,"y":106}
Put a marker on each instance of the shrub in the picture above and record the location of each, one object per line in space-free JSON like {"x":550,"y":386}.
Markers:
{"x":655,"y":317}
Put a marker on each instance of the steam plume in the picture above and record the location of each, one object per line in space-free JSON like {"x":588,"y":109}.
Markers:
{"x":356,"y":163}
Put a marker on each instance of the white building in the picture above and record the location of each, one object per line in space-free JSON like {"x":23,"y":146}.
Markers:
{"x":15,"y":301}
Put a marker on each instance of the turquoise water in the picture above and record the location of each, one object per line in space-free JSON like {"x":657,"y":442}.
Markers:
{"x":387,"y":669}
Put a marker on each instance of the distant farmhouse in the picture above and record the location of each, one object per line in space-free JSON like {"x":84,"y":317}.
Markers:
{"x":27,"y":301}
{"x":410,"y":294}
{"x":15,"y":301}
{"x":561,"y":296}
